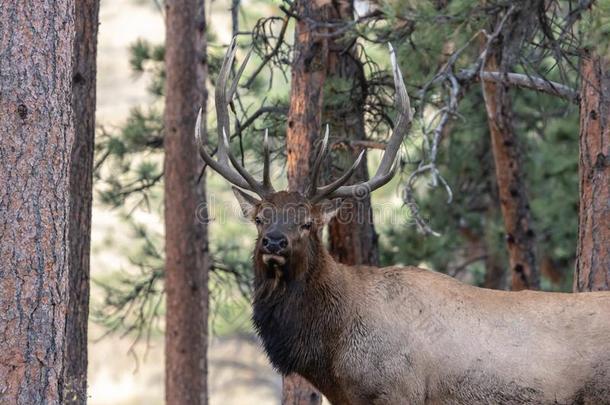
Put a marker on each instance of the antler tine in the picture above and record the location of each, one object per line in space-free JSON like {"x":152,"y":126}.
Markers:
{"x":221,"y":167}
{"x":387,"y":167}
{"x":222,"y":101}
{"x":254,"y":185}
{"x":240,"y":71}
{"x":403,"y":123}
{"x":324,"y":191}
{"x":266,"y":163}
{"x":318,"y":163}
{"x":236,"y":174}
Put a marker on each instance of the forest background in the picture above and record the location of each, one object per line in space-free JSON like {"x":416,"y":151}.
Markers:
{"x":127,"y":241}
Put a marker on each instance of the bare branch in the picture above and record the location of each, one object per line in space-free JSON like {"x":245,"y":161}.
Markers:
{"x":273,"y":53}
{"x":534,"y":83}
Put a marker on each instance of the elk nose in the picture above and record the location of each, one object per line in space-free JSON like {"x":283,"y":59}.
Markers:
{"x":275,"y":243}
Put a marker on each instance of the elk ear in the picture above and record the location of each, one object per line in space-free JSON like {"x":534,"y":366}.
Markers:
{"x":328,"y":209}
{"x":247,"y":202}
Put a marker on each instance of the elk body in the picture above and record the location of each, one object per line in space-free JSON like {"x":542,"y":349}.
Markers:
{"x":404,"y":335}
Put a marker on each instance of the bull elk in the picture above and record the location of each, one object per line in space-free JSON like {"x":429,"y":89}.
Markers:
{"x":401,"y":335}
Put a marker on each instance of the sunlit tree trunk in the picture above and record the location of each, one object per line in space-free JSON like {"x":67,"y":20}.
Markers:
{"x":514,"y":203}
{"x":47,"y":104}
{"x":592,"y":271}
{"x":352,"y":236}
{"x":304,"y":119}
{"x":185,"y":231}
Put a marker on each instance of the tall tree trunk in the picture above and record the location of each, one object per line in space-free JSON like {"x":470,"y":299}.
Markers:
{"x":186,"y":249}
{"x":45,"y":172}
{"x":307,"y":82}
{"x":304,"y":117}
{"x":592,"y":271}
{"x":514,"y":202}
{"x":83,"y":105}
{"x":352,"y":236}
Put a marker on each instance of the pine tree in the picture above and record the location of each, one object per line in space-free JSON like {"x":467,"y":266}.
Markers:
{"x":46,"y":143}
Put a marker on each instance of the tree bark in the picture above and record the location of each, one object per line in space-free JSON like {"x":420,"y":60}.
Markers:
{"x":351,"y":234}
{"x":304,"y":119}
{"x":83,"y":105}
{"x":592,"y":271}
{"x":47,"y":63}
{"x":307,"y":82}
{"x":514,"y":202}
{"x":186,"y":249}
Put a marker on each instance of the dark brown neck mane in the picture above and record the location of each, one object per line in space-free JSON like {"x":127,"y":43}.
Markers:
{"x":297,"y":307}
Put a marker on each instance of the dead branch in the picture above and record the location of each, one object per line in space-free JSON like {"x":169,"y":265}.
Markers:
{"x":534,"y":83}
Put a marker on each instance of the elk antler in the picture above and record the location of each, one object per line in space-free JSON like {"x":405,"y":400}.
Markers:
{"x":237,"y":175}
{"x":388,"y":166}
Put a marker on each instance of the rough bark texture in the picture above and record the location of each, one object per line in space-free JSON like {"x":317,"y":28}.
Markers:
{"x":514,"y":202}
{"x":41,"y":245}
{"x":307,"y":82}
{"x":304,"y":118}
{"x":83,"y":105}
{"x":186,"y":246}
{"x":352,"y":236}
{"x":592,"y":271}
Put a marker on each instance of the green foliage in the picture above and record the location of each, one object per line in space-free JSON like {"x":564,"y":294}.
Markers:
{"x":148,"y":58}
{"x":466,"y":162}
{"x":133,"y":299}
{"x":547,"y":128}
{"x":596,"y":28}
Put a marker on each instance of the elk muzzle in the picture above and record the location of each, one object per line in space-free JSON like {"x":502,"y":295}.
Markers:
{"x":274,"y":246}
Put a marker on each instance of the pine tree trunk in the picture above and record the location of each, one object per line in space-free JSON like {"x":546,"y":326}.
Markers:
{"x":83,"y":105}
{"x":592,"y":271}
{"x":511,"y":188}
{"x":304,"y":118}
{"x":307,"y":82}
{"x":46,"y":144}
{"x":186,"y":251}
{"x":352,"y":236}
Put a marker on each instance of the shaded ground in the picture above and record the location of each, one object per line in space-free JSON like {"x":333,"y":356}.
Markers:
{"x":239,"y":373}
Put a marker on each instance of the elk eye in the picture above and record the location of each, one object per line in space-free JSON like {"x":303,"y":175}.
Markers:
{"x":258,"y":221}
{"x":306,"y":226}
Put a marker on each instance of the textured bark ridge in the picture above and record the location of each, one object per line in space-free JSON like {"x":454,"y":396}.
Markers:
{"x":38,"y":148}
{"x":185,"y":231}
{"x":352,"y":236}
{"x":83,"y":105}
{"x":520,"y":237}
{"x":306,"y":86}
{"x":592,"y":271}
{"x":304,"y":119}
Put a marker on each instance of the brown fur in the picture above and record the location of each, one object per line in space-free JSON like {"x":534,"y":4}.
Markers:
{"x":403,"y":335}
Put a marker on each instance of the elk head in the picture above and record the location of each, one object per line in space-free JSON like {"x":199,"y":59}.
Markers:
{"x":289,"y":223}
